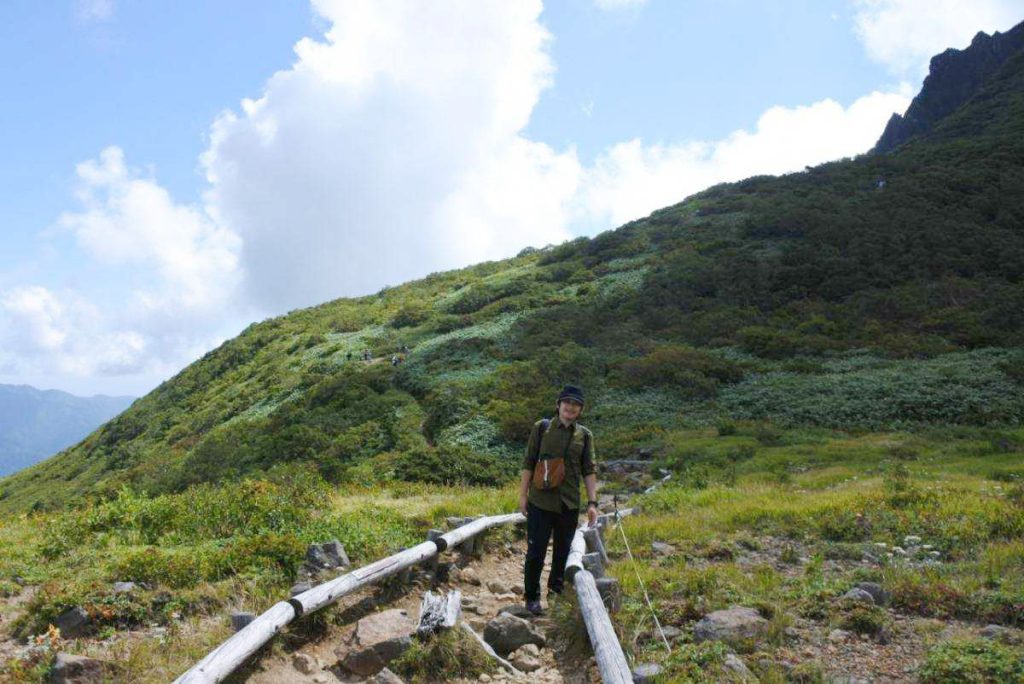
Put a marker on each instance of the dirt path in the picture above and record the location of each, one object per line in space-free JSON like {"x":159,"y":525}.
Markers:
{"x":488,"y":583}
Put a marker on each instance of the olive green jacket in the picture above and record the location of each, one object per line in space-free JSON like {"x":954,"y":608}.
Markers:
{"x":579,"y":462}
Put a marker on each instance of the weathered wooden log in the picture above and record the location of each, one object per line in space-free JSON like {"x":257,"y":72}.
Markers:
{"x":431,"y":563}
{"x":507,"y":666}
{"x":438,"y":613}
{"x":223,"y":660}
{"x":578,"y":547}
{"x":455,"y":537}
{"x":329,"y":592}
{"x":611,"y":661}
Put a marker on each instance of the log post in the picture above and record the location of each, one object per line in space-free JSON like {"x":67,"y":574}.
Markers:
{"x":438,"y":613}
{"x":592,"y":535}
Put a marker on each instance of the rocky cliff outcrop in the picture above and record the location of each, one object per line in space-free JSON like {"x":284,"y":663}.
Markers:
{"x":954,"y":76}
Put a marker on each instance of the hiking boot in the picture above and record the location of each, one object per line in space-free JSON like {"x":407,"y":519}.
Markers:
{"x":534,"y":607}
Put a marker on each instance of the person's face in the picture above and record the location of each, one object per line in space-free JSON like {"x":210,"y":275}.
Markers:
{"x":569,"y":410}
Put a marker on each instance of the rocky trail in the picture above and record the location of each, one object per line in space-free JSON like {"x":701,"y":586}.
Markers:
{"x":489,"y":584}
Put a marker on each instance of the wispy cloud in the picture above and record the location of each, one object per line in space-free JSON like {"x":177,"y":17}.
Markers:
{"x":94,"y":10}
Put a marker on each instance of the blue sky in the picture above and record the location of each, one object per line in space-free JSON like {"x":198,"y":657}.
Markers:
{"x":174,"y":171}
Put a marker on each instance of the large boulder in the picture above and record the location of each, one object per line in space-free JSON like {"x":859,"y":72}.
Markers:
{"x":880,"y":595}
{"x":507,"y":632}
{"x":73,"y":669}
{"x":735,"y":624}
{"x":377,"y":640}
{"x":72,"y":623}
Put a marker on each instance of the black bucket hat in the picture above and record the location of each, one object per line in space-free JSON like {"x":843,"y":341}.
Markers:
{"x":572,"y":393}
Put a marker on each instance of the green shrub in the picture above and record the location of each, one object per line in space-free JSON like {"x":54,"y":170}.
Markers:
{"x":972,"y":660}
{"x":449,"y":655}
{"x":862,"y":618}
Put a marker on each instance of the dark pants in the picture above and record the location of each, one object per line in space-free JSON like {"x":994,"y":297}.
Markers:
{"x":540,"y":525}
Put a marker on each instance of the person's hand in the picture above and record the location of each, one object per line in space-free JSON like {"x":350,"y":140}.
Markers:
{"x":522,"y":504}
{"x":591,"y":516}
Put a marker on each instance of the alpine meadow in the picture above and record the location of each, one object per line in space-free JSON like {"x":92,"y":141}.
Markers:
{"x":823,"y":373}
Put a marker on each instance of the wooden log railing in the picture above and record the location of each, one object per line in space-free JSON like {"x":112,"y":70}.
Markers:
{"x":227,"y":657}
{"x":611,"y":661}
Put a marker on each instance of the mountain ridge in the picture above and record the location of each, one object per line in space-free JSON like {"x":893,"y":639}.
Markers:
{"x":36,"y":423}
{"x":954,"y":76}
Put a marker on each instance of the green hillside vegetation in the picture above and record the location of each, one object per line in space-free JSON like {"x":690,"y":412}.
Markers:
{"x":815,"y":298}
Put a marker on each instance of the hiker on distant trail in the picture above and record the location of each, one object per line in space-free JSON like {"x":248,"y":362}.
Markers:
{"x":366,"y":355}
{"x":394,"y":360}
{"x":559,"y":454}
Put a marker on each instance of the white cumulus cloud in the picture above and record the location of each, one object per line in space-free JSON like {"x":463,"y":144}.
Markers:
{"x":391,"y":148}
{"x":630,"y":179}
{"x":904,"y":34}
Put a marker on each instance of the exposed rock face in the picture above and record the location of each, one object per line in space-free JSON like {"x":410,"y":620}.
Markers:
{"x":506,"y":633}
{"x":378,"y":639}
{"x":954,"y":76}
{"x":734,"y":624}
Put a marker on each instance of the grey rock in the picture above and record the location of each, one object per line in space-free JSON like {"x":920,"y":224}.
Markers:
{"x":859,"y":595}
{"x":880,"y":595}
{"x":506,"y":633}
{"x":125,"y":587}
{"x":733,"y":663}
{"x":300,"y":588}
{"x":305,"y":663}
{"x":646,"y":673}
{"x":316,"y":558}
{"x":734,"y":624}
{"x":469,"y":575}
{"x":671,"y":632}
{"x":526,"y":658}
{"x":335,"y":552}
{"x":838,"y":635}
{"x":996,"y":632}
{"x":240,"y":620}
{"x":496,"y":586}
{"x":378,"y":639}
{"x":73,"y":669}
{"x":662,"y":549}
{"x":517,"y":609}
{"x":385,"y":676}
{"x":72,"y":623}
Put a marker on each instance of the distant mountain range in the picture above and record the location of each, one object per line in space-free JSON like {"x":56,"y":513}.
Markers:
{"x":36,"y":423}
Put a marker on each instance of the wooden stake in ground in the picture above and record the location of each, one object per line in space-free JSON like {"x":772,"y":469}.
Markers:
{"x":439,"y":613}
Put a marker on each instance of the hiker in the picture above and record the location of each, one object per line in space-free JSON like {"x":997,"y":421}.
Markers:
{"x":559,"y":454}
{"x":394,"y":360}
